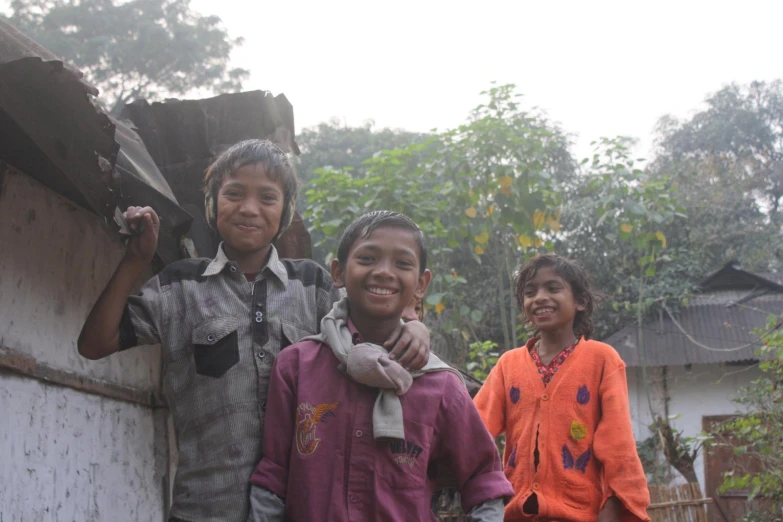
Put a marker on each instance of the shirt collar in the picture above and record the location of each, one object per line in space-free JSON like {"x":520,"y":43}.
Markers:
{"x":355,"y":335}
{"x":273,"y":265}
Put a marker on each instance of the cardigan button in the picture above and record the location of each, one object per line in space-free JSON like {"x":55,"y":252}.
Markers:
{"x":545,"y":397}
{"x":535,"y":485}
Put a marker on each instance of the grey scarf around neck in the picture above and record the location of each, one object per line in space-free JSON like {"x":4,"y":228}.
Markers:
{"x":369,"y":364}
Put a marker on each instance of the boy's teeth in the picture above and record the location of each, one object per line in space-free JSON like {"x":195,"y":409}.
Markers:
{"x":380,"y":291}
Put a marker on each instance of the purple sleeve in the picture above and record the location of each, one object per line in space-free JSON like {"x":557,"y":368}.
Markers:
{"x":466,"y":448}
{"x":272,"y":472}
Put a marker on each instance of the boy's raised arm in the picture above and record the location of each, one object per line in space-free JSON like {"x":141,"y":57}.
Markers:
{"x":100,"y":335}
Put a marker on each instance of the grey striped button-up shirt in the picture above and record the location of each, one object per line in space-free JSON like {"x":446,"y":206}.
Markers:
{"x":220,"y":335}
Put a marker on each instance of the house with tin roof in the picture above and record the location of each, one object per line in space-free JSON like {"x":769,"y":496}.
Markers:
{"x":697,"y":357}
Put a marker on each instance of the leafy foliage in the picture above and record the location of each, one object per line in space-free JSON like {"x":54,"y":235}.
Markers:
{"x":347,"y":148}
{"x":727,"y":162}
{"x":757,"y":434}
{"x":483,"y":356}
{"x":134,"y":49}
{"x":616,"y":221}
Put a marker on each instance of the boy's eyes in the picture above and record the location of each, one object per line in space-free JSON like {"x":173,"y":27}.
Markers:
{"x":371,"y":259}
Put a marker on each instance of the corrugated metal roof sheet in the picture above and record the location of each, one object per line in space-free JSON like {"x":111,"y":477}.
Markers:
{"x":716,"y":327}
{"x":53,"y":130}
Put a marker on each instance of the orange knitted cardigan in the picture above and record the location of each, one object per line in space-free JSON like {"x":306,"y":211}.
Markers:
{"x":585,"y":439}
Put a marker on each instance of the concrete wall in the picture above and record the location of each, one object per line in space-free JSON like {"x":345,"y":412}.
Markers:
{"x":702,"y":391}
{"x":67,"y":454}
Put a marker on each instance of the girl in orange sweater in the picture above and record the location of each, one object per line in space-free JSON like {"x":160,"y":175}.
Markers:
{"x":562,"y":401}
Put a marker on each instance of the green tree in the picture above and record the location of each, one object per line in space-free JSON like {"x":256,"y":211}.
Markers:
{"x":334,"y":145}
{"x":135,"y":49}
{"x":616,"y":221}
{"x":727,"y":162}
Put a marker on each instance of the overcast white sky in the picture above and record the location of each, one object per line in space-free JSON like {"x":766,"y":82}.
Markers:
{"x":600,"y":68}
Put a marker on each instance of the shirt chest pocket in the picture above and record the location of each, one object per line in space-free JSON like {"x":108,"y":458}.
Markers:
{"x":216,"y":346}
{"x":405,"y":463}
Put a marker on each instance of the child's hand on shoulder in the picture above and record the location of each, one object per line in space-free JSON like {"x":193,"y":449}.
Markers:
{"x":409,"y":345}
{"x":144,"y":224}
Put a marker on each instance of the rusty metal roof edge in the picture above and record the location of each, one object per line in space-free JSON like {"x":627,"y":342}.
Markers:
{"x":93,"y":171}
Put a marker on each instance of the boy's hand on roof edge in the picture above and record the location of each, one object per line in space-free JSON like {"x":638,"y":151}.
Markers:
{"x":409,"y":345}
{"x":145,"y":226}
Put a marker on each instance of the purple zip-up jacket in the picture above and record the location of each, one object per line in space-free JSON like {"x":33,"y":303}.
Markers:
{"x":321,"y":458}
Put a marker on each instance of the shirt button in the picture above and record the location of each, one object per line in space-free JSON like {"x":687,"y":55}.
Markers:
{"x":359,"y":433}
{"x":535,"y":485}
{"x":261,"y":355}
{"x":353,"y":498}
{"x":259,"y":314}
{"x":263,"y":406}
{"x":211,"y":338}
{"x":259,"y":319}
{"x":260,"y":304}
{"x":233,"y":268}
{"x":545,"y":397}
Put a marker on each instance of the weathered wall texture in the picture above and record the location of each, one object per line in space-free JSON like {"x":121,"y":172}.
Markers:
{"x":704,"y":391}
{"x":72,"y":456}
{"x":66,"y":454}
{"x":54,"y":261}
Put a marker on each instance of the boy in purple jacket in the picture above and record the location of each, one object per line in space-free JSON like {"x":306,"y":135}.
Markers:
{"x":350,"y":434}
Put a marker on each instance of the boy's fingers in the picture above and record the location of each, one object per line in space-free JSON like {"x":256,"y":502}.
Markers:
{"x":409,"y":354}
{"x":154,"y":219}
{"x":398,"y":351}
{"x":420,"y":361}
{"x":417,"y":357}
{"x":391,"y":341}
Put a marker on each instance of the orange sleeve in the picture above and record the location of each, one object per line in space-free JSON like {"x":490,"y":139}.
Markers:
{"x":491,"y":400}
{"x":615,"y":448}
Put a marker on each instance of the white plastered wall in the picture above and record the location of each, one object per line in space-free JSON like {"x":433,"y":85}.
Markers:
{"x":68,"y":454}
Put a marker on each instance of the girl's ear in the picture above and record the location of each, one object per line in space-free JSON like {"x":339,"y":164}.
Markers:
{"x":581,"y":303}
{"x":338,"y":277}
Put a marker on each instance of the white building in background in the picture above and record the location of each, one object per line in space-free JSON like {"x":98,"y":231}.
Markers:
{"x":697,"y":361}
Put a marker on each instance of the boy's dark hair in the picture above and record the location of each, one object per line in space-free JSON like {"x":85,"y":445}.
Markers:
{"x":276,"y":163}
{"x":577,"y":278}
{"x":363,"y":226}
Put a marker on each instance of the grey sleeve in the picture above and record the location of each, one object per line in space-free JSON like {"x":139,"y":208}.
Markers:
{"x":265,"y":506}
{"x":142,"y":318}
{"x":489,"y":511}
